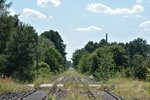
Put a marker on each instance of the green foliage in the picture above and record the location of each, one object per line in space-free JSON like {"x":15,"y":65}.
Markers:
{"x":52,"y":51}
{"x":56,"y":39}
{"x":91,"y":46}
{"x":138,"y":69}
{"x":104,"y":60}
{"x":137,"y":46}
{"x":55,"y":60}
{"x":84,"y":63}
{"x":20,"y":46}
{"x":4,"y":7}
{"x":148,"y":75}
{"x":119,"y":56}
{"x":44,"y":70}
{"x":43,"y":46}
{"x":102,"y":64}
{"x":2,"y":64}
{"x":77,"y":55}
{"x":68,"y":64}
{"x":7,"y":25}
{"x":20,"y":50}
{"x":147,"y":65}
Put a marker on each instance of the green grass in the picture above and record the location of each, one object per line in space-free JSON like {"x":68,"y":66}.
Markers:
{"x":8,"y":85}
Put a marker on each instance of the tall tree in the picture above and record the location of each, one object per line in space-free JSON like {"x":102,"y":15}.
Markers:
{"x":119,"y":56}
{"x":7,"y":26}
{"x":20,"y":50}
{"x":54,"y":37}
{"x":55,"y":60}
{"x":84,"y":63}
{"x":137,"y":46}
{"x":77,"y":55}
{"x":102,"y":63}
{"x":91,"y":46}
{"x":4,"y":7}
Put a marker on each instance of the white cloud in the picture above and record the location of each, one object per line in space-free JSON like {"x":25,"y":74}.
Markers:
{"x":101,"y":8}
{"x":47,"y":3}
{"x":90,"y":28}
{"x":30,"y":13}
{"x":55,"y":3}
{"x":145,"y":26}
{"x":139,"y":1}
{"x":12,"y":12}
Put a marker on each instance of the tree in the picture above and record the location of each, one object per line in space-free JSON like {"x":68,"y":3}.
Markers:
{"x":44,"y":70}
{"x":20,"y":50}
{"x":7,"y":26}
{"x":138,"y":70}
{"x":56,"y":39}
{"x":91,"y":46}
{"x":102,"y":43}
{"x":84,"y":63}
{"x":119,"y":56}
{"x":4,"y":7}
{"x":43,"y":45}
{"x":55,"y":60}
{"x":77,"y":55}
{"x":102,"y":64}
{"x":137,"y":46}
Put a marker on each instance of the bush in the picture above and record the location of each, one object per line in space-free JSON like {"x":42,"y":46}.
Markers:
{"x":44,"y":70}
{"x":148,"y":75}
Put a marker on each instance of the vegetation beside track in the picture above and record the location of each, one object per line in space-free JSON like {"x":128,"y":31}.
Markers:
{"x":127,"y":88}
{"x":8,"y":85}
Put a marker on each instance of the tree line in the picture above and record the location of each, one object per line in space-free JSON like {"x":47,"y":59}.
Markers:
{"x":24,"y":54}
{"x":106,"y":60}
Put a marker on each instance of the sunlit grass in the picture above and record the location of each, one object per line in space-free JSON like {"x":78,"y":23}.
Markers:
{"x":71,"y":73}
{"x":129,"y":89}
{"x":8,"y":85}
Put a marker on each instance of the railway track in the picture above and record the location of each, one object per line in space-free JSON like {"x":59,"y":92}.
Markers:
{"x":107,"y":95}
{"x":33,"y":95}
{"x":58,"y":88}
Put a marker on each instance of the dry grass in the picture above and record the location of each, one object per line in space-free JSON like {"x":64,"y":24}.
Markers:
{"x":41,"y":80}
{"x":71,"y":73}
{"x":129,"y":89}
{"x":8,"y":85}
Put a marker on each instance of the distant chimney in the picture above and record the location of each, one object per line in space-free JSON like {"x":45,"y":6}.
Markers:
{"x":106,"y":38}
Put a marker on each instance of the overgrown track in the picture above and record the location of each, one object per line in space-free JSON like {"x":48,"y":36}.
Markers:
{"x":90,"y":94}
{"x":107,"y":95}
{"x":66,"y":87}
{"x":60,"y":93}
{"x":33,"y":95}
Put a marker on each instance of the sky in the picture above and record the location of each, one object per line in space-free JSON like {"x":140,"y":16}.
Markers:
{"x":80,"y":21}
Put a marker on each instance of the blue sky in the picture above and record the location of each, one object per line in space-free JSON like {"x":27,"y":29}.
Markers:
{"x":80,"y":21}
